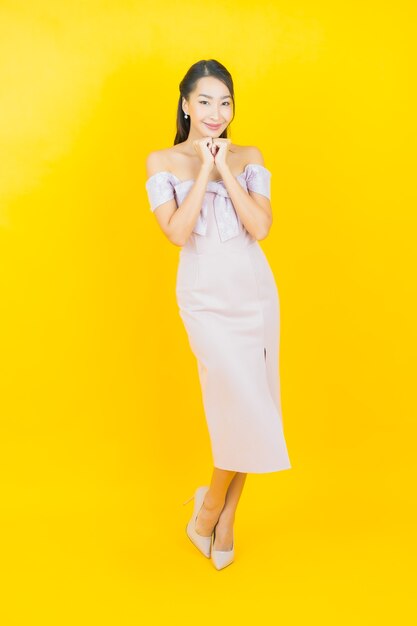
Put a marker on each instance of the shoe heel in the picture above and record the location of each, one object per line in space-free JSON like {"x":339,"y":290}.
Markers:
{"x":202,"y":543}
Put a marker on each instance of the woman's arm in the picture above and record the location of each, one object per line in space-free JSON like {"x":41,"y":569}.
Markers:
{"x":254,"y":209}
{"x":178,"y":222}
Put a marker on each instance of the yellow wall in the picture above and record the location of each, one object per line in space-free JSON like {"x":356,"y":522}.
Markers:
{"x":102,"y":426}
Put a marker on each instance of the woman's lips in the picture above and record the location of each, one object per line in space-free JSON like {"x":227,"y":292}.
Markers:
{"x":213,"y":126}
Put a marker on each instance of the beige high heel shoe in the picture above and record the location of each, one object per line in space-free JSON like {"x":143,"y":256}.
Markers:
{"x":200,"y":542}
{"x":222,"y":558}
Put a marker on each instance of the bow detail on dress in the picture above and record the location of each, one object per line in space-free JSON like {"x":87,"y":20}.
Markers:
{"x":163,"y":186}
{"x":224,"y":212}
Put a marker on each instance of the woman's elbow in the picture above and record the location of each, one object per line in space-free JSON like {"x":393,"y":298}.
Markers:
{"x":262,"y":234}
{"x":176,"y":239}
{"x":263,"y":230}
{"x":179,"y":244}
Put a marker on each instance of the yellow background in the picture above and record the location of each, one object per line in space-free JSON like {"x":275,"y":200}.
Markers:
{"x":102,"y":426}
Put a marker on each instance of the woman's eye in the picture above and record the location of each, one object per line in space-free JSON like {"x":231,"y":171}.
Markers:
{"x":204,"y":101}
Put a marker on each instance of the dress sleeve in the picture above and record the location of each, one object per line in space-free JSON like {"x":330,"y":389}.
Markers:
{"x":160,"y":189}
{"x":258,"y":179}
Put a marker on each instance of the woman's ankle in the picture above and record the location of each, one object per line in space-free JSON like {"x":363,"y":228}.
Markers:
{"x":212,"y":505}
{"x":226,"y":519}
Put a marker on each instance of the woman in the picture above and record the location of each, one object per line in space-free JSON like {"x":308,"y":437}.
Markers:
{"x":211,"y":198}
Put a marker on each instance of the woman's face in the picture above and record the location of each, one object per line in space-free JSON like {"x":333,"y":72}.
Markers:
{"x":210,"y":107}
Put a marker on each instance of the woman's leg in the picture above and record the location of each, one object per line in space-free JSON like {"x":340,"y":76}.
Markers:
{"x":214,"y":501}
{"x":224,"y":527}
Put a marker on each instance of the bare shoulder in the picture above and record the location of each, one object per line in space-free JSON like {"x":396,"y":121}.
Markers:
{"x":247,"y":154}
{"x":242,"y":155}
{"x":153,"y":163}
{"x":254,"y":155}
{"x":165,"y":159}
{"x":157,"y":161}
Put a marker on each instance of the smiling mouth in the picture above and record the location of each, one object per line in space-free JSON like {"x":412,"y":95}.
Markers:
{"x":213,"y":125}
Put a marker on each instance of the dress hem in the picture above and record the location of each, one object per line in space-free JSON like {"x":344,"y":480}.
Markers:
{"x":252,"y":471}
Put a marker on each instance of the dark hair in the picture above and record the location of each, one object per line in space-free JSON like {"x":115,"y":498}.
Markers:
{"x":209,"y":67}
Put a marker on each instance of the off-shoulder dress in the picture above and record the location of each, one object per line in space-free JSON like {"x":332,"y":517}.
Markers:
{"x":228,"y":301}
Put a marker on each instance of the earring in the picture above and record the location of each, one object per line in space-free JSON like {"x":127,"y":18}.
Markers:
{"x":186,"y":116}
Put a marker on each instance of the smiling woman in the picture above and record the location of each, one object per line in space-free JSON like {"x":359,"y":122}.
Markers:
{"x":212,"y":198}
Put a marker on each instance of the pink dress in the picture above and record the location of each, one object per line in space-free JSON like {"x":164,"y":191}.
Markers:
{"x":229,"y":304}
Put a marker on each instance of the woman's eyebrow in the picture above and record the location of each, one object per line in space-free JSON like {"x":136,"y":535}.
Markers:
{"x":211,"y":97}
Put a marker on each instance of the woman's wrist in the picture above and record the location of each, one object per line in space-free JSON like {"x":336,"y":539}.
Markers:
{"x":223,"y":169}
{"x":205,"y":170}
